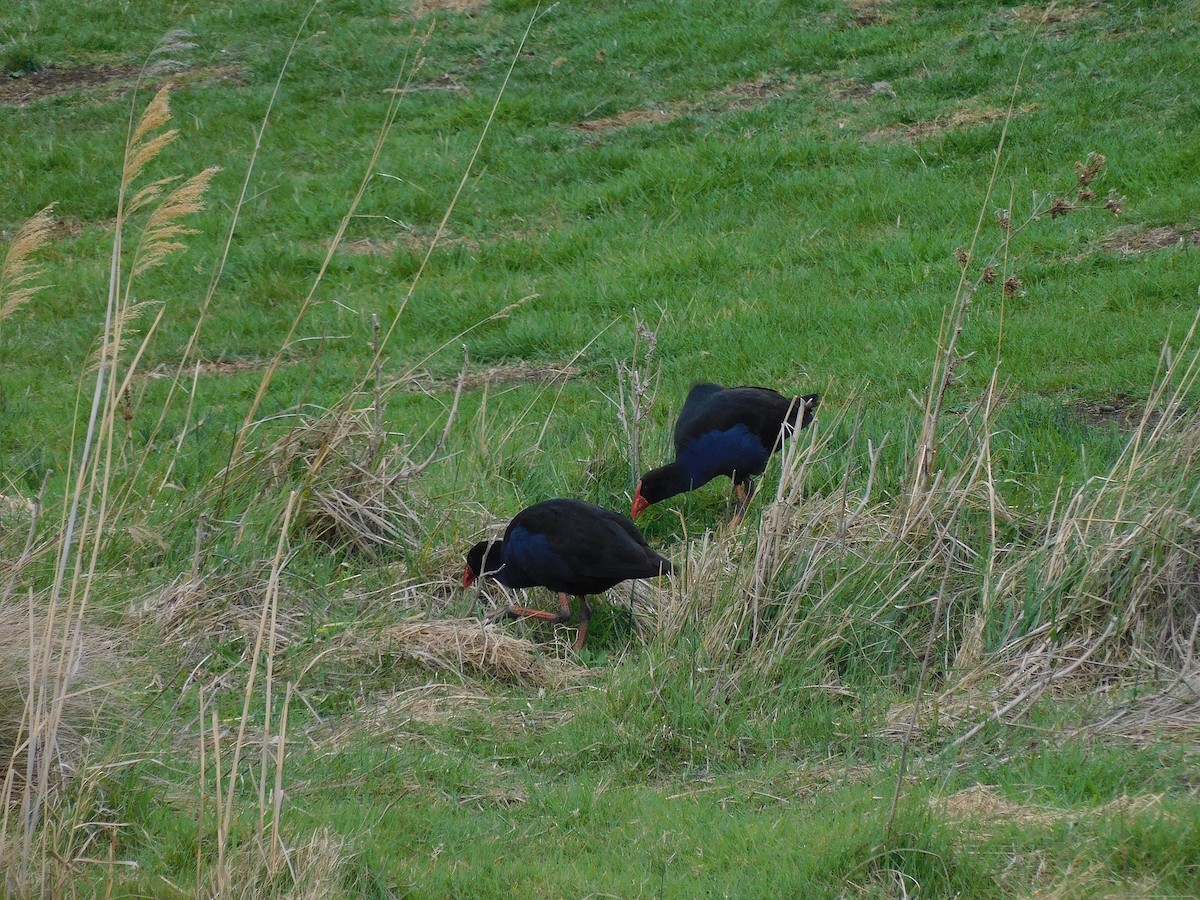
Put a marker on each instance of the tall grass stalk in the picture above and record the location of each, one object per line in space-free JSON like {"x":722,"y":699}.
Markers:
{"x":58,"y":637}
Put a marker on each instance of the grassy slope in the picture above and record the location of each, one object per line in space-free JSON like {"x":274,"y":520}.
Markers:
{"x":784,"y":246}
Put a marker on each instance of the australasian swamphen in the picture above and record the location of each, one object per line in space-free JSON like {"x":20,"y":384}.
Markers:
{"x":724,"y":431}
{"x":568,"y":546}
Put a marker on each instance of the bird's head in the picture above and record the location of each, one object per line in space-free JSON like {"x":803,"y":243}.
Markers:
{"x":482,"y":559}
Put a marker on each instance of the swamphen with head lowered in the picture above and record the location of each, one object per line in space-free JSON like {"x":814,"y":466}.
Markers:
{"x":568,"y":546}
{"x":725,"y":431}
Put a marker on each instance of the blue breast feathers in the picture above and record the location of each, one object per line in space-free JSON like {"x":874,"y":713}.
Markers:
{"x":737,"y":450}
{"x":529,"y":561}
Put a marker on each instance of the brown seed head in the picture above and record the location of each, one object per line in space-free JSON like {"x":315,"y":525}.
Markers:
{"x":961,"y":256}
{"x":989,"y":275}
{"x":1115,"y":203}
{"x":1004,"y":219}
{"x":1060,"y":207}
{"x":1087,"y":171}
{"x":1013,"y":286}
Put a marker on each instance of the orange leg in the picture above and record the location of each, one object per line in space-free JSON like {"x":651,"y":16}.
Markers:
{"x":517,"y":612}
{"x":585,"y":616}
{"x":744,"y":496}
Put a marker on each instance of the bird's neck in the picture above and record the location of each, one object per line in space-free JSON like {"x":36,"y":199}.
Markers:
{"x":659,"y":484}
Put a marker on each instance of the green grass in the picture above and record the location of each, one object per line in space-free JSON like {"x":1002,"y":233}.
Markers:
{"x":790,"y":240}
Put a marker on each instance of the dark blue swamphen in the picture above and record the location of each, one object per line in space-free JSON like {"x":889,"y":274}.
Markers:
{"x":725,"y":431}
{"x":568,"y":546}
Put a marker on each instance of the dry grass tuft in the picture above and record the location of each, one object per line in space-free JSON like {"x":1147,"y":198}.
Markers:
{"x":310,"y":869}
{"x":963,"y":118}
{"x":464,"y":647}
{"x":516,"y":373}
{"x":215,"y":367}
{"x":1133,"y":240}
{"x":426,"y":7}
{"x":201,"y":611}
{"x":1172,"y":713}
{"x":23,"y":643}
{"x":748,"y":94}
{"x":981,"y":804}
{"x":627,"y":119}
{"x":1055,"y":13}
{"x":868,"y":12}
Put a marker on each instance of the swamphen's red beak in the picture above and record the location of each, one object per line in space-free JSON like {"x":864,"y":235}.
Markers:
{"x":468,"y":577}
{"x":639,"y":503}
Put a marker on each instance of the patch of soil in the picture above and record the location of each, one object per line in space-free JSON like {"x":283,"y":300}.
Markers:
{"x":847,"y":89}
{"x":747,"y":94}
{"x":53,"y":81}
{"x":626,"y":119}
{"x":1052,"y":15}
{"x":407,"y":240}
{"x":740,"y":95}
{"x":1121,"y":409}
{"x":444,"y":82}
{"x":425,"y":7}
{"x":963,"y":118}
{"x":867,"y":12}
{"x":1133,"y":240}
{"x":496,"y":376}
{"x":210,"y":367}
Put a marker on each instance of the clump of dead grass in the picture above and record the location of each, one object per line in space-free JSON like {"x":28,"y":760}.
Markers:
{"x":361,"y":489}
{"x":955,"y":121}
{"x":1135,"y":240}
{"x":463,"y":647}
{"x":1172,"y":712}
{"x":199,"y":612}
{"x":27,"y":640}
{"x":307,"y":868}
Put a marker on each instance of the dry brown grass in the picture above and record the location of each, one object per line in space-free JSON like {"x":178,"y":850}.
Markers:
{"x":1172,"y":714}
{"x":194,"y":614}
{"x":212,"y":367}
{"x":1056,"y":13}
{"x":957,"y":120}
{"x":1133,"y":240}
{"x":464,"y":647}
{"x":427,"y":7}
{"x":515,"y":373}
{"x":628,"y":119}
{"x":310,"y":868}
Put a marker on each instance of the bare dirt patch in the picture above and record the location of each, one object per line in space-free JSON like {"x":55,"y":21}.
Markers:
{"x":626,"y":119}
{"x":847,"y":89}
{"x":1132,"y":240}
{"x":53,"y":80}
{"x":1053,"y":14}
{"x":426,"y":7}
{"x":415,"y":239}
{"x":495,"y":376}
{"x":210,"y":367}
{"x":747,"y":94}
{"x":963,"y":118}
{"x":1121,"y":410}
{"x":867,"y":12}
{"x":739,"y":95}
